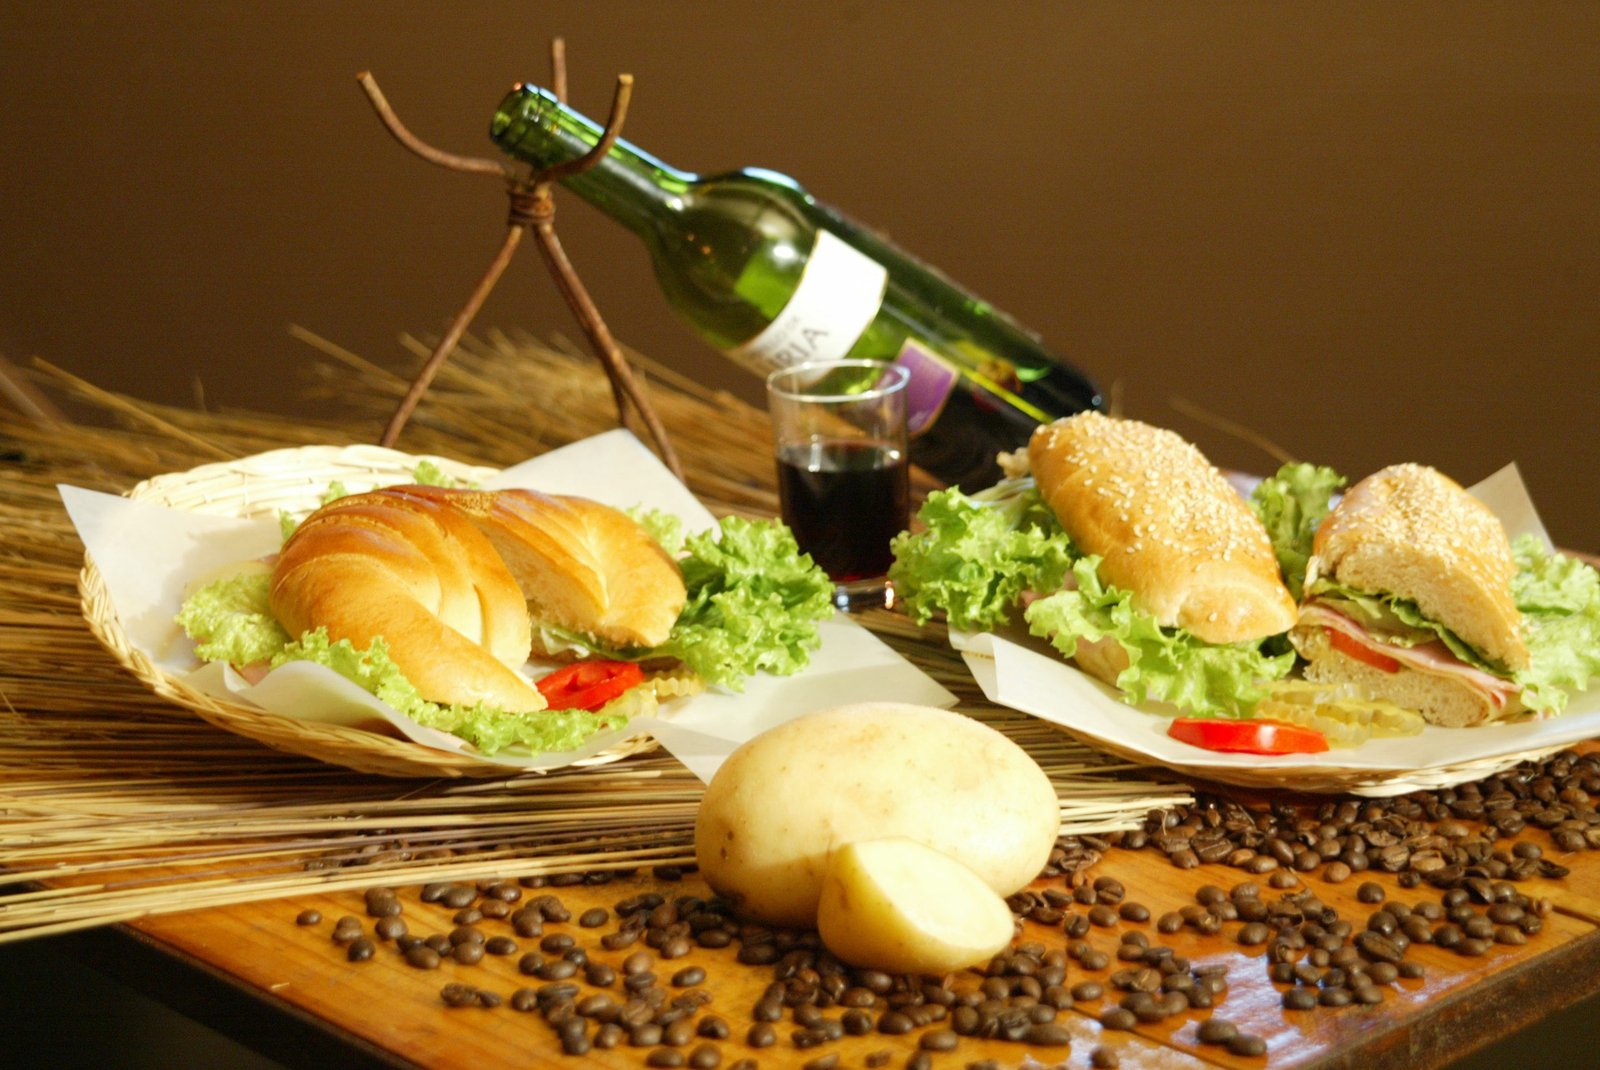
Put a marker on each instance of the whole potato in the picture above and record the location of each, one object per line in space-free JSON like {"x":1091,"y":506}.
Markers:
{"x":785,"y":799}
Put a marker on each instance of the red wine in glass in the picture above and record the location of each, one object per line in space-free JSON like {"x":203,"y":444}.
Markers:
{"x":844,"y":500}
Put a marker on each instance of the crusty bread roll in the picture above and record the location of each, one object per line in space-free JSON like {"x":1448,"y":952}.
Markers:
{"x":448,"y":578}
{"x":1442,"y":700}
{"x":403,"y":564}
{"x":1167,"y":525}
{"x":1411,"y":532}
{"x":582,"y":566}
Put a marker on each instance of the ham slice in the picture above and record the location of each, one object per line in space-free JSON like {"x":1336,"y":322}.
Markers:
{"x":1432,"y":657}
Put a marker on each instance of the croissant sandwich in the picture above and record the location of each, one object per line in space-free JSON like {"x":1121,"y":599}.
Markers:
{"x":1126,"y":549}
{"x":435,"y":599}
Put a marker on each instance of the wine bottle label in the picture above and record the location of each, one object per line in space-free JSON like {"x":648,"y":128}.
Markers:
{"x":931,"y":382}
{"x":839,"y":293}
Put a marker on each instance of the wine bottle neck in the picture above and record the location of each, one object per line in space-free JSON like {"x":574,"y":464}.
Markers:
{"x":627,"y":184}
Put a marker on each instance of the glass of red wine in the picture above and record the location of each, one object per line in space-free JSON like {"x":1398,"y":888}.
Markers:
{"x":839,"y":429}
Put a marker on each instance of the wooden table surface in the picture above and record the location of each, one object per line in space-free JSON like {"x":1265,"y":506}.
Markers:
{"x":388,"y":1009}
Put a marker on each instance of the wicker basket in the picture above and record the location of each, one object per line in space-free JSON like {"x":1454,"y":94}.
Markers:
{"x":294,"y":480}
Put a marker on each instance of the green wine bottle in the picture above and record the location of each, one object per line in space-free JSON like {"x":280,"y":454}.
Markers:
{"x":771,"y":277}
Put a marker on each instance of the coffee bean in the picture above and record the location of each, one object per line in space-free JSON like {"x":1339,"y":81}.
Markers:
{"x":556,"y":970}
{"x":1336,"y":872}
{"x":1169,"y":923}
{"x":705,"y":1057}
{"x":308,"y":917}
{"x":1254,"y":934}
{"x":688,"y":977}
{"x":1103,"y":916}
{"x":1134,"y":912}
{"x":1382,"y":973}
{"x":1104,"y":1058}
{"x":822,"y":1062}
{"x":1370,"y":892}
{"x":1299,"y":999}
{"x":423,"y":957}
{"x":939,"y":1040}
{"x":1087,"y":990}
{"x":621,"y":938}
{"x":1047,"y":1035}
{"x":761,"y":1035}
{"x":458,"y":995}
{"x":361,"y":949}
{"x":1118,"y":1018}
{"x":1247,"y":1044}
{"x":894,"y":1024}
{"x":1334,"y":997}
{"x":1216,"y":1031}
{"x":664,"y":1057}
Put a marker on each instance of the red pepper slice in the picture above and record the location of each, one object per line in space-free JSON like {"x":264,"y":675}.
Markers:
{"x":1247,"y":737}
{"x":1354,"y":648}
{"x":588,"y":685}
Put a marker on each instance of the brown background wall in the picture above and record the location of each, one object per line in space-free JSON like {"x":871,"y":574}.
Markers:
{"x":1366,"y":230}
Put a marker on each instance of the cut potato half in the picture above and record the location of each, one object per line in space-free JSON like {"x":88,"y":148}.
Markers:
{"x":895,"y":905}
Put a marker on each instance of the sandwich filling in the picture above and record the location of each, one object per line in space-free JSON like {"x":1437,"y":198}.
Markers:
{"x":1391,"y":646}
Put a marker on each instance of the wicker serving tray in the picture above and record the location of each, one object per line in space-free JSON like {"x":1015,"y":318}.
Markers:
{"x":293,"y":481}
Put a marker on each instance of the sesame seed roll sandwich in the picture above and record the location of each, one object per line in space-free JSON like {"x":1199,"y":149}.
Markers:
{"x":1126,"y":549}
{"x":1409,"y":597}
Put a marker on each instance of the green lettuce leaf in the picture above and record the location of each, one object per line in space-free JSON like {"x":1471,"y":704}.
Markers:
{"x":489,"y":729}
{"x":753,"y":603}
{"x":1290,"y":505}
{"x":1164,"y":664}
{"x":664,"y":528}
{"x":230,"y":620}
{"x":976,"y":555}
{"x":1559,"y":597}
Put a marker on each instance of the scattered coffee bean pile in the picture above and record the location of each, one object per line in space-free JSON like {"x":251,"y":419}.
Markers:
{"x":1443,"y":837}
{"x":1470,"y":844}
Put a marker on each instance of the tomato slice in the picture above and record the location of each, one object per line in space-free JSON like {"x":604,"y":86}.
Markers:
{"x":588,"y":685}
{"x":1247,"y":737}
{"x":1354,"y":648}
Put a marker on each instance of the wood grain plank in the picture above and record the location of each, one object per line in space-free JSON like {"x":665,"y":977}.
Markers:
{"x":1460,"y":1004}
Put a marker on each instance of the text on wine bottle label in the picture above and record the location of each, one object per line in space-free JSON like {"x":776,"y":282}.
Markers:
{"x":839,"y":293}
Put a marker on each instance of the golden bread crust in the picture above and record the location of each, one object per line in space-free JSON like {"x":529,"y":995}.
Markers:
{"x":1409,"y":531}
{"x":1167,"y":526}
{"x":415,"y":571}
{"x":582,"y":565}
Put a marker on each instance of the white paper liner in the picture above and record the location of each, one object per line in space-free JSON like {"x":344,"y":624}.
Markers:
{"x":150,"y":557}
{"x":1015,"y":670}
